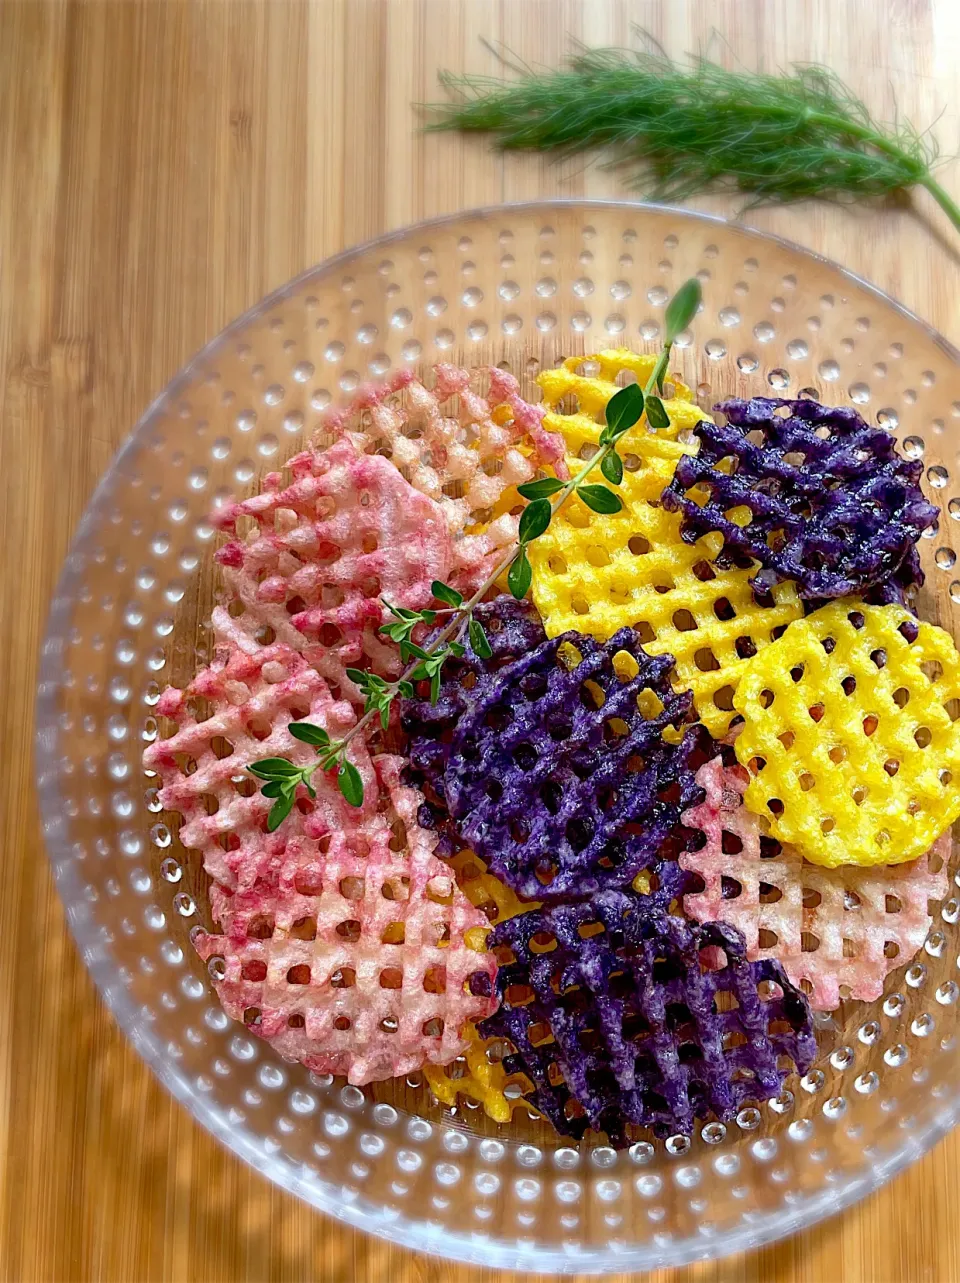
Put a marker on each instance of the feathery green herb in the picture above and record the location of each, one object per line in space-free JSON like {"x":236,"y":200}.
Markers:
{"x":680,"y":130}
{"x":425,"y":663}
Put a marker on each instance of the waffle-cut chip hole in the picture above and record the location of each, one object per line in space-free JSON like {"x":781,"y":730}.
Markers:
{"x":435,"y":980}
{"x":891,"y":766}
{"x":594,"y":693}
{"x":882,"y":837}
{"x":870,"y":724}
{"x":787,"y":739}
{"x":914,"y":807}
{"x":645,"y":632}
{"x":901,"y":697}
{"x":304,"y":929}
{"x":724,"y":1000}
{"x":643,"y":882}
{"x":569,"y":655}
{"x":617,"y":726}
{"x":767,"y":939}
{"x":923,"y":736}
{"x":343,"y":1023}
{"x":891,"y":949}
{"x":723,"y":698}
{"x":775,"y":806}
{"x":598,"y":556}
{"x":518,"y":995}
{"x":649,"y":704}
{"x":351,"y":888}
{"x":766,"y":698}
{"x":684,"y":621}
{"x":816,"y":712}
{"x":296,"y":1021}
{"x":389,"y":1024}
{"x":809,"y":943}
{"x":391,"y":978}
{"x":811,"y":898}
{"x":475,"y":938}
{"x":706,"y":660}
{"x":827,"y":824}
{"x":580,"y":604}
{"x":945,"y":777}
{"x":557,"y":564}
{"x":807,"y":781}
{"x":349,"y":929}
{"x":850,"y":949}
{"x":543,"y":942}
{"x":299,"y":974}
{"x":587,"y":930}
{"x":769,"y":894}
{"x":625,"y":666}
{"x":932,"y":669}
{"x":796,"y":673}
{"x":859,"y":794}
{"x":892,"y":904}
{"x":251,"y":1016}
{"x":952,"y":709}
{"x":837,"y":754}
{"x":393,"y":933}
{"x":735,"y":1038}
{"x":255,"y":969}
{"x":260,"y":927}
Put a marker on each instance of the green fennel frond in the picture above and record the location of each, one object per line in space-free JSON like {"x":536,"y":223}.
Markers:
{"x":683,"y":129}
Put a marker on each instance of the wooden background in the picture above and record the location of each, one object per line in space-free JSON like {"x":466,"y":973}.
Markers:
{"x":163,"y":164}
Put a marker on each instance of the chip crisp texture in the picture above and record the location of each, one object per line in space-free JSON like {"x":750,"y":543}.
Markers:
{"x":618,"y":1017}
{"x":309,"y":562}
{"x":597,"y":573}
{"x":359,"y":959}
{"x":478,"y":1074}
{"x":827,"y":500}
{"x":465,"y":448}
{"x":836,"y":932}
{"x":567,"y":778}
{"x":851,"y":737}
{"x":576,"y":393}
{"x":236,"y":712}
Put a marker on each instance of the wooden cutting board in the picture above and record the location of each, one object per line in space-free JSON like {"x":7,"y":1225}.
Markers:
{"x":163,"y":165}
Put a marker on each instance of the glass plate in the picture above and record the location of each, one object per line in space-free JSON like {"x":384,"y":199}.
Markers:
{"x":522,"y":285}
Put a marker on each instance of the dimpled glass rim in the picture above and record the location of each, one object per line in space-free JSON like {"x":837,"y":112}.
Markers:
{"x":362,"y":1213}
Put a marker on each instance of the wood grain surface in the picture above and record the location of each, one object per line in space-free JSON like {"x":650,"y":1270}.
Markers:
{"x":163,"y":165}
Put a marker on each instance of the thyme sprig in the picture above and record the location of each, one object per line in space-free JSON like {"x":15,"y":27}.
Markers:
{"x":545,"y":497}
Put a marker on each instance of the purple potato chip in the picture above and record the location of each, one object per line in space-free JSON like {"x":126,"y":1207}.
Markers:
{"x":560,"y":782}
{"x":513,"y":628}
{"x":634,"y":1025}
{"x":834,"y":506}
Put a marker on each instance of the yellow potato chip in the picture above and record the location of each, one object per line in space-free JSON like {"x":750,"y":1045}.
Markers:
{"x":477,"y":1073}
{"x":576,"y":394}
{"x":596,"y":573}
{"x":851,"y":735}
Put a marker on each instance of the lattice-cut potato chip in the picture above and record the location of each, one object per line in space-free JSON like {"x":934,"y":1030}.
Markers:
{"x":478,"y":1074}
{"x":364,"y":962}
{"x":308,"y":563}
{"x":576,"y":393}
{"x":851,"y":737}
{"x":236,"y":712}
{"x":836,"y":932}
{"x":619,"y":1018}
{"x":597,"y":573}
{"x":464,"y":448}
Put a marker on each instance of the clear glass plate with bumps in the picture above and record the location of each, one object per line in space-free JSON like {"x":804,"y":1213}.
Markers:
{"x":521,"y":287}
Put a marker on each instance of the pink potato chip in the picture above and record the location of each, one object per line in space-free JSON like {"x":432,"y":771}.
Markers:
{"x":836,"y":932}
{"x":316,"y":556}
{"x":463,"y":448}
{"x":364,"y":959}
{"x":236,"y":712}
